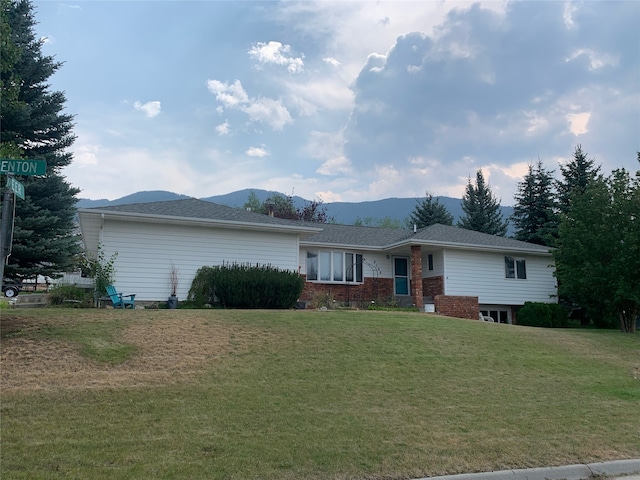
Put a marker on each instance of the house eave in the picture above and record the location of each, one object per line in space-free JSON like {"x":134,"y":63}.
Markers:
{"x":472,"y":246}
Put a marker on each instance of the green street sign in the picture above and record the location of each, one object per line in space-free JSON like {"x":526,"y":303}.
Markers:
{"x":16,"y":186}
{"x":23,"y":167}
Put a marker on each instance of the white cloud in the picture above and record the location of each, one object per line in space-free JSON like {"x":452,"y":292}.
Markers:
{"x":276,"y":53}
{"x":266,"y":110}
{"x":223,"y":128}
{"x":228,"y":95}
{"x":596,"y":60}
{"x":150,"y":109}
{"x":259,"y":152}
{"x":331,"y":61}
{"x":262,"y":110}
{"x":335,"y":166}
{"x":578,"y":122}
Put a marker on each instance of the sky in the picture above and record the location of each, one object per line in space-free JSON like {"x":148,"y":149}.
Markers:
{"x":341,"y":101}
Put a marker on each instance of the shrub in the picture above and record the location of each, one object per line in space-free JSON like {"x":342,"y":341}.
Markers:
{"x":70,"y":296}
{"x":244,"y":286}
{"x":535,"y":314}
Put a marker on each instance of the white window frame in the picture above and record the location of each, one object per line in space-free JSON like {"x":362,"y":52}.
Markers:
{"x":517,"y":270}
{"x":335,"y":266}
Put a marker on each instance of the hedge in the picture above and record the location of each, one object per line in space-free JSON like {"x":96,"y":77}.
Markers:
{"x":245,"y":286}
{"x":535,"y":314}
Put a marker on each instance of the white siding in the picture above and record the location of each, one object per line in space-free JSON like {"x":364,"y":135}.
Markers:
{"x":145,"y":253}
{"x":438,"y":263}
{"x":482,"y":274}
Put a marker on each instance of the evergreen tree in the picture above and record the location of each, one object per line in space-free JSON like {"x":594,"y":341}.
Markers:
{"x":34,"y":127}
{"x":429,"y":212}
{"x":482,"y":209}
{"x":576,"y":175}
{"x":534,"y":214}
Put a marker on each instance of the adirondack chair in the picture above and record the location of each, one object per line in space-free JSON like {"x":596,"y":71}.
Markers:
{"x":118,"y":299}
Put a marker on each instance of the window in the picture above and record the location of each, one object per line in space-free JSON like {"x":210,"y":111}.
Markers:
{"x":515,"y":268}
{"x":430,"y":260}
{"x":328,"y":266}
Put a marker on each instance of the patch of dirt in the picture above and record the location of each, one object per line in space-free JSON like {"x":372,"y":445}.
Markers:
{"x":168,"y":351}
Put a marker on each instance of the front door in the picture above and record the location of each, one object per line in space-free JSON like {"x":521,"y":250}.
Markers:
{"x":401,"y":275}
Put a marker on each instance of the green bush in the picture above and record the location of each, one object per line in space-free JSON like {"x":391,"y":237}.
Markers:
{"x":536,"y":314}
{"x":244,"y":286}
{"x":70,"y":296}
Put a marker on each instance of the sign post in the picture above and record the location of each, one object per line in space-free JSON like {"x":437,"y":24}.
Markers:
{"x":11,"y":167}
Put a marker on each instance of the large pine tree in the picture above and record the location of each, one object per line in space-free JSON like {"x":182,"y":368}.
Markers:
{"x":534,"y":214}
{"x":429,"y":212}
{"x":35,"y":127}
{"x":576,"y":176}
{"x":482,"y":209}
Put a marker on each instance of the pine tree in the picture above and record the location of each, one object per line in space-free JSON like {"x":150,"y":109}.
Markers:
{"x":534,"y":214}
{"x":429,"y":212}
{"x":482,"y":209}
{"x":577,"y":174}
{"x":34,"y":127}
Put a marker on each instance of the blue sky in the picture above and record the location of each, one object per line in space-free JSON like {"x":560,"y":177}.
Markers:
{"x":341,"y":101}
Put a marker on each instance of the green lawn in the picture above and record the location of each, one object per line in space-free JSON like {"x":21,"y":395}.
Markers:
{"x":306,"y":395}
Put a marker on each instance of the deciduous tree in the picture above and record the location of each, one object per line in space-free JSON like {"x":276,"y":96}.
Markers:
{"x":598,"y":252}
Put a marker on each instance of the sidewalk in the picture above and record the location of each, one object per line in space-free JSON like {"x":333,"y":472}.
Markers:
{"x":616,"y":470}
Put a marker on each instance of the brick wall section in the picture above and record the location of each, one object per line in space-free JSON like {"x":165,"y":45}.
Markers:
{"x":433,"y":286}
{"x":355,"y":294}
{"x":416,"y":276}
{"x":461,"y":307}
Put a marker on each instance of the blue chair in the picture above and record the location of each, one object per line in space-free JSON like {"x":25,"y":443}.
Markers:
{"x":118,"y":299}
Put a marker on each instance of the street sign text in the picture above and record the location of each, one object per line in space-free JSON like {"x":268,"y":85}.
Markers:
{"x":23,"y":167}
{"x":16,"y":186}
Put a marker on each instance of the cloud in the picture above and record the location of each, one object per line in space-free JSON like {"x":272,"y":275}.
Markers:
{"x":229,"y":95}
{"x":259,"y":152}
{"x":150,"y":109}
{"x":331,"y":61}
{"x":223,"y":128}
{"x":275,"y":53}
{"x":263,"y":110}
{"x":578,"y":122}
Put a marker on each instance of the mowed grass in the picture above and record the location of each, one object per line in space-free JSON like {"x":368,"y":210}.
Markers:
{"x":320,"y":395}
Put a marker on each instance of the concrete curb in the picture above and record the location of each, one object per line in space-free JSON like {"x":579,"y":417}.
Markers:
{"x":567,"y":472}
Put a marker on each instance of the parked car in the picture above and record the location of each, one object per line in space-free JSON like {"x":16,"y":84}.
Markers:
{"x":11,"y":288}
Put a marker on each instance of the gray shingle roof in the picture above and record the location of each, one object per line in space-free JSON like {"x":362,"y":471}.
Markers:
{"x":435,"y":234}
{"x":331,"y":234}
{"x":198,"y":209}
{"x":459,"y":236}
{"x":357,"y":236}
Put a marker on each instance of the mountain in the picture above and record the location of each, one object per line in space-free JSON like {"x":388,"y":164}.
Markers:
{"x":139,"y":197}
{"x":370,"y":213}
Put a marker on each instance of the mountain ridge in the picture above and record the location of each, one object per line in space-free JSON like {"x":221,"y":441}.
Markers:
{"x":371,"y":212}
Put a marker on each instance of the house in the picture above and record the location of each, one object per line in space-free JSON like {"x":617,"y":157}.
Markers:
{"x":439,"y":268}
